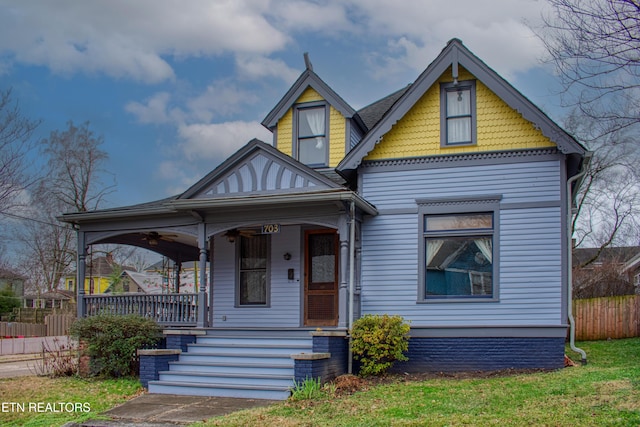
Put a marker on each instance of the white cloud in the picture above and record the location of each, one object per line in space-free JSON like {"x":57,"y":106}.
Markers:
{"x":128,"y":39}
{"x":219,"y":140}
{"x":153,"y":111}
{"x":255,"y":67}
{"x":221,"y":98}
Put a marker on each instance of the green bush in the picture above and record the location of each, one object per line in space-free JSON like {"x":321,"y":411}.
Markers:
{"x":112,"y":342}
{"x":378,"y":341}
{"x":8,"y":301}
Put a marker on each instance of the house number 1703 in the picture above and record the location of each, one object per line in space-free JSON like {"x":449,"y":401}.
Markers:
{"x":270,"y":228}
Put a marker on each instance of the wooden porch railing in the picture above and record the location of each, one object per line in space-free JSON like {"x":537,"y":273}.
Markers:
{"x":166,"y":309}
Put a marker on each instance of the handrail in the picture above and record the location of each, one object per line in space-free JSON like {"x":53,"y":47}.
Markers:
{"x":165,"y":309}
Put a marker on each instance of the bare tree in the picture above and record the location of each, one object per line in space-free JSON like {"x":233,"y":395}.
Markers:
{"x":594,"y":46}
{"x":47,"y":248}
{"x":76,"y":163}
{"x":608,"y":204}
{"x":15,"y":137}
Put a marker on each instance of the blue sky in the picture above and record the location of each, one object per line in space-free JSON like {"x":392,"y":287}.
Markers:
{"x":175,"y":87}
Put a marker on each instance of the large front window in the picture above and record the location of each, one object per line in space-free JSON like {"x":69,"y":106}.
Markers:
{"x":459,"y":255}
{"x":312,"y":136}
{"x":253,"y":265}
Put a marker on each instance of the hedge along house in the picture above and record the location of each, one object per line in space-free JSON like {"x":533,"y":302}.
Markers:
{"x":447,"y":202}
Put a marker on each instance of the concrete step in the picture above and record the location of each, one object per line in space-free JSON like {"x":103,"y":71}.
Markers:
{"x":247,"y":340}
{"x":231,"y":367}
{"x":249,"y":348}
{"x":239,"y":379}
{"x":222,"y":390}
{"x":257,"y":358}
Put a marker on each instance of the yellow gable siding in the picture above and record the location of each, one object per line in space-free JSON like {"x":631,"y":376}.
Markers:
{"x":337,"y":129}
{"x":499,"y":127}
{"x":285,"y":133}
{"x":337,"y":124}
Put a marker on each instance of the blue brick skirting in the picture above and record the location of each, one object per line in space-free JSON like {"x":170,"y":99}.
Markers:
{"x":332,"y":350}
{"x":179,"y":342}
{"x":154,"y":361}
{"x":482,"y":354}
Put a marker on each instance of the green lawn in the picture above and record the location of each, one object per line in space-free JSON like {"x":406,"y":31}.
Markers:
{"x":55,"y":401}
{"x":606,"y":392}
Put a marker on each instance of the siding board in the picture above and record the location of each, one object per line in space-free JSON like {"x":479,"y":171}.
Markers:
{"x":530,"y":267}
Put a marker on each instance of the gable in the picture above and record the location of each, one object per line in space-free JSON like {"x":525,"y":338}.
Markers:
{"x":456,"y":57}
{"x":257,"y":169}
{"x":499,"y":127}
{"x":336,"y":132}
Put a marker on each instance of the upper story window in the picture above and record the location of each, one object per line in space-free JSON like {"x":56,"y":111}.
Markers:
{"x":458,"y":113}
{"x":312,"y":147}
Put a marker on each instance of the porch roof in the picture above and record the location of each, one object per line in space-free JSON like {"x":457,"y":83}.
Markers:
{"x":202,"y":205}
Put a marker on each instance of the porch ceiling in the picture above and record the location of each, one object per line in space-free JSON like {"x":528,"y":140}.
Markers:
{"x":170,"y":245}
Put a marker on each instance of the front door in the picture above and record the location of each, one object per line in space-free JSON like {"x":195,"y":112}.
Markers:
{"x":321,"y":278}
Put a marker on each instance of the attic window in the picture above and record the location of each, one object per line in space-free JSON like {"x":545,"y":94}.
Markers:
{"x":312,"y":147}
{"x":458,"y":113}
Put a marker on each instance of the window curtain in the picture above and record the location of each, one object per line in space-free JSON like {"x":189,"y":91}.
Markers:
{"x":315,"y":120}
{"x":485,"y":245}
{"x":459,"y":114}
{"x":433,"y":247}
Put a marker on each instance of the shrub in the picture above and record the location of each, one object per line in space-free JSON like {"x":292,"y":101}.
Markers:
{"x":112,"y":342}
{"x":378,"y":341}
{"x":58,"y":360}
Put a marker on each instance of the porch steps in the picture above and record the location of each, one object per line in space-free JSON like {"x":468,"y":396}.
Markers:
{"x":252,"y":364}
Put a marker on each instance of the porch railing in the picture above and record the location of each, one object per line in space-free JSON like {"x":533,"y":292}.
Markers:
{"x":166,"y":309}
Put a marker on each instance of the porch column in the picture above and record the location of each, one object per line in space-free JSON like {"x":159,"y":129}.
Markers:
{"x":343,"y":292}
{"x":202,"y":264}
{"x":210,"y":311}
{"x":80,"y":274}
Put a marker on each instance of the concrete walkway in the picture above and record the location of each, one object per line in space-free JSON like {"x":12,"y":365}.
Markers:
{"x":162,"y":410}
{"x":147,"y":410}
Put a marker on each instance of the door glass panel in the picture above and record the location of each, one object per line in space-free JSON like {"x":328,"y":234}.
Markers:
{"x":322,"y":262}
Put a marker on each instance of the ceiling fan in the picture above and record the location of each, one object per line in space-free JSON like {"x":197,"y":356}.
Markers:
{"x":153,"y":237}
{"x":234,"y":233}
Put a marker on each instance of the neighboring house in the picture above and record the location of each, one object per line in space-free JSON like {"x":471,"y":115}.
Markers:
{"x":53,"y":299}
{"x":187,"y":279}
{"x":99,"y":275}
{"x":607,"y":272}
{"x":12,"y":281}
{"x":446,"y":202}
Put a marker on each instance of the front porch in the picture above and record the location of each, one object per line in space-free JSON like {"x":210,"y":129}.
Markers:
{"x":277,"y":246}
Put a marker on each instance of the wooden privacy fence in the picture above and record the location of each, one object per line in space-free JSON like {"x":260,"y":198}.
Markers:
{"x":611,"y":317}
{"x":17,"y":329}
{"x":54,"y":325}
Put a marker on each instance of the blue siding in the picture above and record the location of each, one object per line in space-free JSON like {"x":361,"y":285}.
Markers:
{"x":530,"y":269}
{"x":284,"y":310}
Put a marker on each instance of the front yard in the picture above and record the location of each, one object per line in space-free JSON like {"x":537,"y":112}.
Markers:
{"x":606,"y":392}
